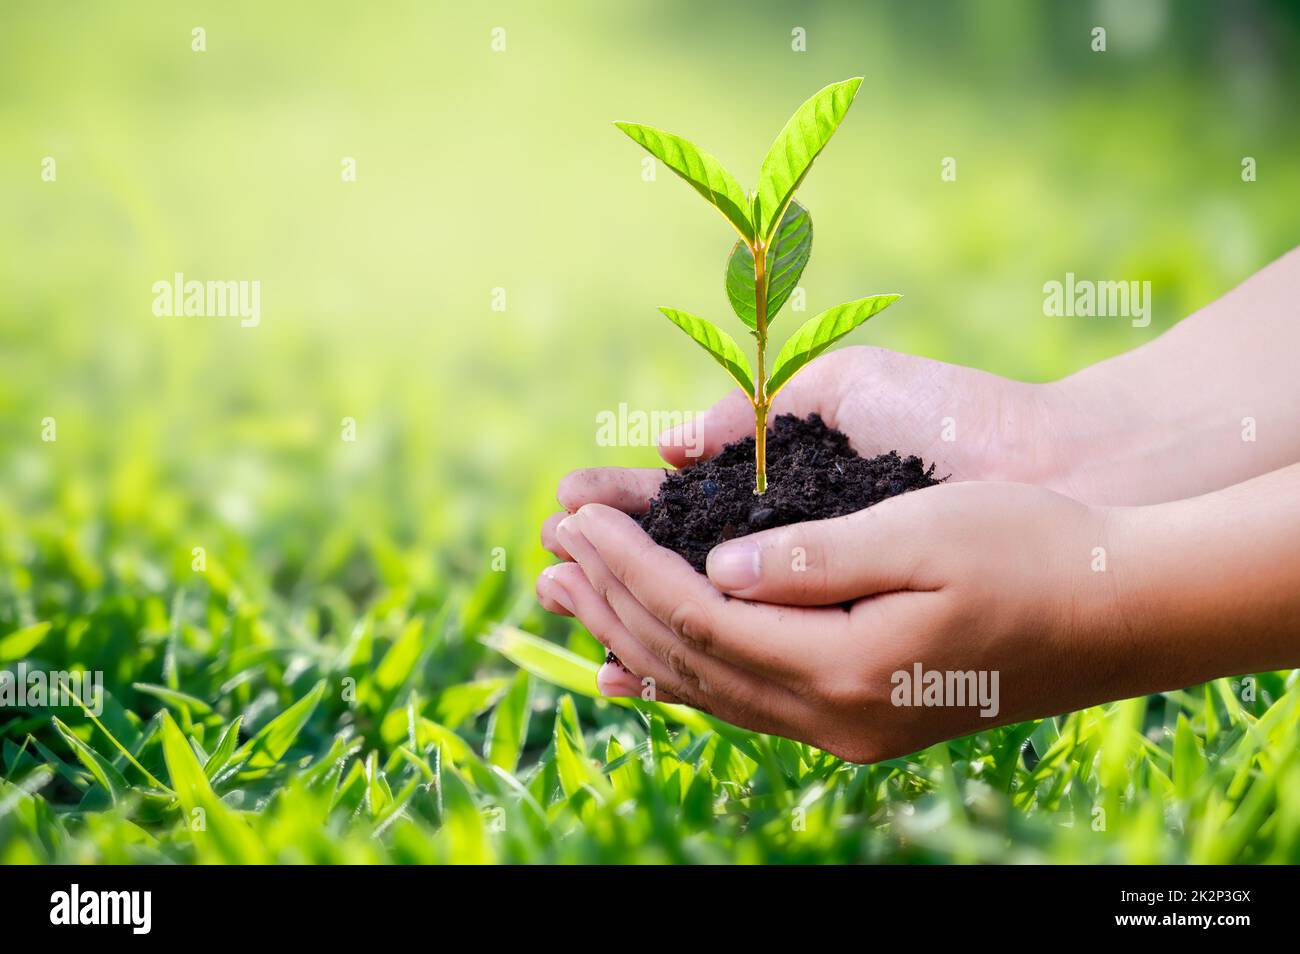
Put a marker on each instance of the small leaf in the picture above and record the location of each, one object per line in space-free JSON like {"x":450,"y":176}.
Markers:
{"x":464,"y":828}
{"x":108,"y":777}
{"x":568,"y":670}
{"x":817,"y":334}
{"x":173,"y":697}
{"x":187,"y":777}
{"x":786,"y":258}
{"x":402,"y":657}
{"x":577,"y":771}
{"x":717,"y":343}
{"x":704,"y":173}
{"x":545,"y":660}
{"x":1189,"y":765}
{"x":508,"y":726}
{"x":225,"y":836}
{"x":265,"y":749}
{"x":220,"y":756}
{"x":794,"y":150}
{"x":21,"y":642}
{"x":458,"y":704}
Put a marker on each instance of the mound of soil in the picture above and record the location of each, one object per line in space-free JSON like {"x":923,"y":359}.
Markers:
{"x":812,"y":474}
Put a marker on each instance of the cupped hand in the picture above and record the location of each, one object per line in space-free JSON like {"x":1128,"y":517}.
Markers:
{"x":970,"y":424}
{"x":815,"y":631}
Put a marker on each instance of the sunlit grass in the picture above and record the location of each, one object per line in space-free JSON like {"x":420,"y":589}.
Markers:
{"x":348,"y":674}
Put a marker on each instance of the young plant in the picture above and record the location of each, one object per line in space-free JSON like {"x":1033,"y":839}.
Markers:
{"x":774,"y":246}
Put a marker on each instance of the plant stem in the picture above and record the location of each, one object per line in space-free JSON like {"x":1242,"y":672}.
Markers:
{"x":760,"y":381}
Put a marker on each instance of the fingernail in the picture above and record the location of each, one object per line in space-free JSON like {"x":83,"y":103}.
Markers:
{"x":553,"y":589}
{"x":686,"y":436}
{"x":671,"y":437}
{"x":734,"y":565}
{"x":565,"y":527}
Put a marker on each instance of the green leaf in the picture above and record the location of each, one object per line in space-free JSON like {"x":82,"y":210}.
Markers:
{"x":378,"y":794}
{"x":786,"y":258}
{"x":464,"y":829}
{"x":459,"y":703}
{"x":109,"y":778}
{"x":568,"y":670}
{"x":219,"y":832}
{"x":270,"y":744}
{"x":508,"y":725}
{"x":577,"y":771}
{"x":716,"y":342}
{"x":402,"y":657}
{"x":175,"y":697}
{"x":220,"y":756}
{"x":187,"y":778}
{"x":794,"y":150}
{"x":622,"y":768}
{"x":21,"y":642}
{"x":704,"y":173}
{"x":1188,"y":763}
{"x":545,"y":660}
{"x":117,"y":743}
{"x":817,"y":334}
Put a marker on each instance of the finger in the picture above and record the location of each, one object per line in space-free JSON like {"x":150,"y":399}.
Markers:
{"x":679,"y":670}
{"x":782,"y":644}
{"x":704,"y":435}
{"x":614,"y":681}
{"x":623,"y":488}
{"x":551,"y":594}
{"x":828,"y":562}
{"x":818,"y":389}
{"x":733,"y":694}
{"x":548,"y":535}
{"x":825,"y":562}
{"x":576,"y":593}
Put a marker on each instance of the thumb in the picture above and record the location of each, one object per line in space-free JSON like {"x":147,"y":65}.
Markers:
{"x":702,"y":437}
{"x":822,"y":562}
{"x":818,"y":389}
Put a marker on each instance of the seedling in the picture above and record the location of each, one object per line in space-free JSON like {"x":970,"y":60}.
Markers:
{"x":774,"y":246}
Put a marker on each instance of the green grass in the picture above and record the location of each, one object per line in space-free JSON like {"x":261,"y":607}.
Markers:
{"x":348,"y":679}
{"x":245,"y":730}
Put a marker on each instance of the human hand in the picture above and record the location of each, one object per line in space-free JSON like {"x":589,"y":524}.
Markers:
{"x":971,"y":425}
{"x":989,"y":579}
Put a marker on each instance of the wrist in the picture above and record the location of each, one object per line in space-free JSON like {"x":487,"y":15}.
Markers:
{"x":1055,"y":439}
{"x":1131,"y":610}
{"x":1104,"y":443}
{"x":1198,"y":588}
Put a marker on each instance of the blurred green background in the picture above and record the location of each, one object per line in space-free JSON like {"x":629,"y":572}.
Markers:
{"x":478,"y":170}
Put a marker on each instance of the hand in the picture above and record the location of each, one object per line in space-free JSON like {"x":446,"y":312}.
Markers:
{"x":971,"y":425}
{"x":982,"y":578}
{"x":1070,"y":605}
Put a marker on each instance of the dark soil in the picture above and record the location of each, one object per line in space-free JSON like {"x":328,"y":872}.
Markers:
{"x":812,"y":474}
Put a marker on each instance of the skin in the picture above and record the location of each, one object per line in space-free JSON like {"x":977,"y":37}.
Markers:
{"x":1099,"y":538}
